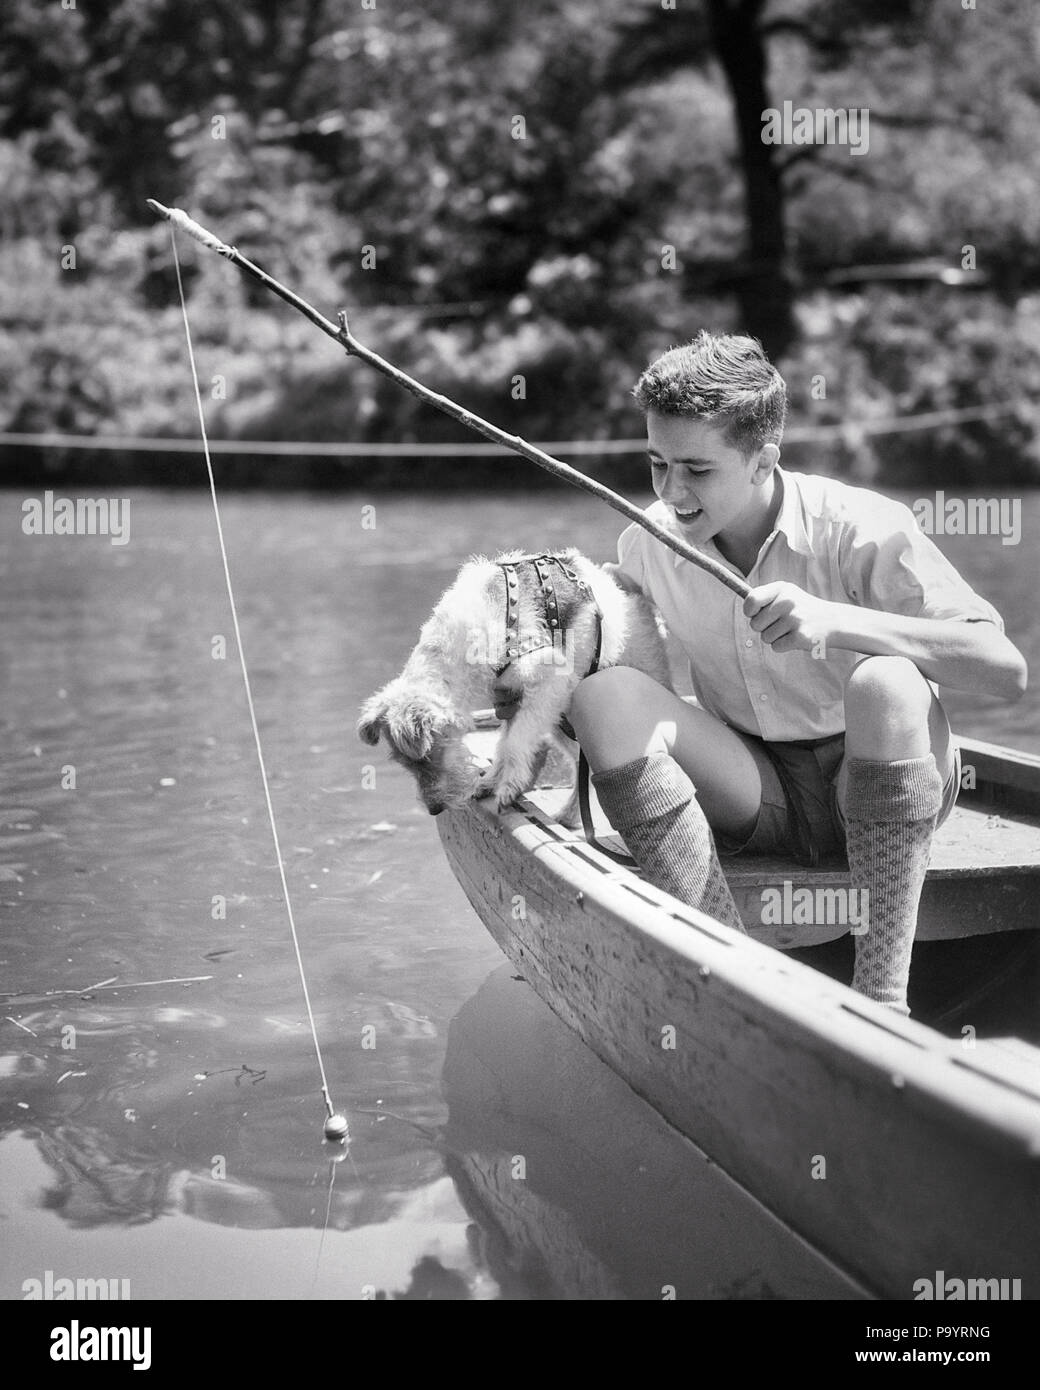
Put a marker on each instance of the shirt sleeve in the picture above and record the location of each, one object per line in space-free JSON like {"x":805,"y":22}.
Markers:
{"x":631,"y":565}
{"x":889,"y":564}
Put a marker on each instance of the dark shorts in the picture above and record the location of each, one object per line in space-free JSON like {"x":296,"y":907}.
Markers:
{"x":800,"y":813}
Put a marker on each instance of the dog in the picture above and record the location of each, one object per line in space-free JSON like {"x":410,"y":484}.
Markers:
{"x":537,"y":624}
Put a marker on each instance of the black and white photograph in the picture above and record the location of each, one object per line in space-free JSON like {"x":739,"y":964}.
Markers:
{"x":519,"y":773}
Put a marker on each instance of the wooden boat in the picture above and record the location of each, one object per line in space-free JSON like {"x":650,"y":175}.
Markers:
{"x":905,"y":1150}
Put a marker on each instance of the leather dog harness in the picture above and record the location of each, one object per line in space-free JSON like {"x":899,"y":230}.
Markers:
{"x":555,"y":622}
{"x":555,"y":626}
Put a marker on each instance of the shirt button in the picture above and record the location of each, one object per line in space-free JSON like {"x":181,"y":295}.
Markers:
{"x":748,"y":642}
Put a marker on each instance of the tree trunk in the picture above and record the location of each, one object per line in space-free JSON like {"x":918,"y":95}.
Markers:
{"x":765,"y":293}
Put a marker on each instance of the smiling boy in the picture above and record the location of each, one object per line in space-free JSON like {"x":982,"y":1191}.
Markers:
{"x":817,"y":730}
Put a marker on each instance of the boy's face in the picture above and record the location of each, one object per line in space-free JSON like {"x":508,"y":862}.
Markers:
{"x":709,"y":486}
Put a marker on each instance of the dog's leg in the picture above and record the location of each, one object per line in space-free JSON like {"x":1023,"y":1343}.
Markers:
{"x":539,"y":760}
{"x":570,"y":816}
{"x":644,"y":647}
{"x":547,"y":692}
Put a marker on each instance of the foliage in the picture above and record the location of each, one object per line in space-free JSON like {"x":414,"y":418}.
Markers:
{"x":315,"y":138}
{"x":883,"y":356}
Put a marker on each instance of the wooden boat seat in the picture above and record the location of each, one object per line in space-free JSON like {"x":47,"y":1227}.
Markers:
{"x":973,"y":846}
{"x":974,"y":840}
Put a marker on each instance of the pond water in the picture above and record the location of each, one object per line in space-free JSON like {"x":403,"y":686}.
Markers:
{"x":160,"y":1111}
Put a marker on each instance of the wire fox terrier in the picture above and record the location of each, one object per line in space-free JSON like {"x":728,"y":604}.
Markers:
{"x":535,"y":625}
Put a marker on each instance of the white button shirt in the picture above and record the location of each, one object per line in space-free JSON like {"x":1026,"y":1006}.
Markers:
{"x":841,"y":543}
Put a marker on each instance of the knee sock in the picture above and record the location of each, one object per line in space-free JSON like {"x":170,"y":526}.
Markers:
{"x":652,"y":805}
{"x":890,"y":816}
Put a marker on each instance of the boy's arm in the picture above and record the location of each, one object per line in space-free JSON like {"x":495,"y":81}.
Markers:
{"x":960,"y":654}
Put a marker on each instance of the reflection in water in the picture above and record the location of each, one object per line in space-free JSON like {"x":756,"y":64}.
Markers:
{"x":172,"y":1131}
{"x":607,"y":1202}
{"x":92,"y":1184}
{"x":580,"y":1190}
{"x":234,"y":1243}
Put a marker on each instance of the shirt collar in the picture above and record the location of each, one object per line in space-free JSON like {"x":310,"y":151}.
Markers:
{"x":790,"y":519}
{"x":790,"y":522}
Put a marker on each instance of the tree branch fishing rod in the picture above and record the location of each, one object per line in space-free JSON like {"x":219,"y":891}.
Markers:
{"x":342,"y":335}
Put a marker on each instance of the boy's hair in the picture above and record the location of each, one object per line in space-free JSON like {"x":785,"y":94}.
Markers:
{"x":721,"y":379}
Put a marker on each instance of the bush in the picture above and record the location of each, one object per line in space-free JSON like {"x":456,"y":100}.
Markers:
{"x":883,"y":355}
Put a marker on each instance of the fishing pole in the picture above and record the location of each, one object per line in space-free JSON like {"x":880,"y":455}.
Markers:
{"x":342,"y":335}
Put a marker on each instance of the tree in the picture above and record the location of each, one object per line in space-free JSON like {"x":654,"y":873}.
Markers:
{"x":737,"y":34}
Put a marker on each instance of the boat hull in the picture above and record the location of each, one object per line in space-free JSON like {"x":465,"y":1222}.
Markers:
{"x":896,"y":1151}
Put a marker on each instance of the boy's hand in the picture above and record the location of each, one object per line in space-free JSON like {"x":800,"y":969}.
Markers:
{"x":789,"y":619}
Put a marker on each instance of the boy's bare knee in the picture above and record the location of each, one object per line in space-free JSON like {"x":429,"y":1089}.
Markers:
{"x":612,"y":715}
{"x":887,"y":682}
{"x":610,"y":689}
{"x":887,"y":708}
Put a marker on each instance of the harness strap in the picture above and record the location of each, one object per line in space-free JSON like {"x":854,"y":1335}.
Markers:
{"x":584,"y":806}
{"x":512,"y":615}
{"x":515,"y":645}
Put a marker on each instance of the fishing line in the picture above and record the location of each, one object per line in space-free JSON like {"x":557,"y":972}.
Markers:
{"x":334,"y":1163}
{"x":324,"y":1226}
{"x":335,"y":1125}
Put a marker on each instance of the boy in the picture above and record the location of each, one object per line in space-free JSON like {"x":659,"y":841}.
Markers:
{"x":817,"y":729}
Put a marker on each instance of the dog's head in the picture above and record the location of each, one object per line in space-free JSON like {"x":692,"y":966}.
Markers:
{"x":424,"y":733}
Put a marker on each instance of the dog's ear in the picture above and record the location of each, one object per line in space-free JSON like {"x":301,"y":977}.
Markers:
{"x":373,"y":718}
{"x":411,"y":727}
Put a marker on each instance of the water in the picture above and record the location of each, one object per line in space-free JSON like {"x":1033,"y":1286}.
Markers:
{"x":169,"y":1133}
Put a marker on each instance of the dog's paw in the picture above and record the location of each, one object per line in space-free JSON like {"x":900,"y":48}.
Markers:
{"x":486,"y":783}
{"x":510,"y":788}
{"x":503,"y":789}
{"x":506,"y":797}
{"x":570,"y":816}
